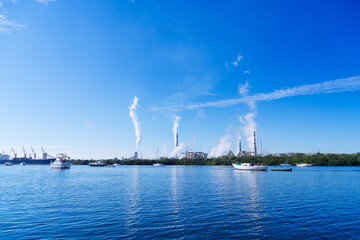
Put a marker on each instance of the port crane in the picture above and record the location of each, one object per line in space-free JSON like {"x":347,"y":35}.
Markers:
{"x":24,"y":152}
{"x":34,"y":154}
{"x":45,"y":155}
{"x":14,"y":152}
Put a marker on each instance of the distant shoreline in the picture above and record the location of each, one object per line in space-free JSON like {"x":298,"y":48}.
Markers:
{"x":316,"y":160}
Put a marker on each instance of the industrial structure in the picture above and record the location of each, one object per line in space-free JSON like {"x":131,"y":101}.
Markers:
{"x":248,"y":153}
{"x":195,"y":155}
{"x":27,"y":159}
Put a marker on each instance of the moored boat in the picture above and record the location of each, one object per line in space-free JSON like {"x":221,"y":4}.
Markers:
{"x":8,"y":164}
{"x":60,"y":162}
{"x":286,"y":164}
{"x":304,"y":165}
{"x":22,"y":163}
{"x":158,"y":164}
{"x":249,"y":166}
{"x":282,"y":169}
{"x":97,"y":164}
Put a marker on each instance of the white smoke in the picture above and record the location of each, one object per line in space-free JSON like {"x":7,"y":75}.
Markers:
{"x":175,"y":127}
{"x":134,"y":120}
{"x":177,"y":150}
{"x":249,"y":129}
{"x":238,"y":143}
{"x":222,"y":148}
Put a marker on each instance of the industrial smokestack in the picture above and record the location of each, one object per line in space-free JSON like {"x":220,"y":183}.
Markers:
{"x":177,"y":140}
{"x":174,"y":130}
{"x":255,"y":143}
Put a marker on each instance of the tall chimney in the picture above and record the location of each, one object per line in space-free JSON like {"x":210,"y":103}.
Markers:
{"x":177,"y":140}
{"x":255,"y":143}
{"x":240,"y":146}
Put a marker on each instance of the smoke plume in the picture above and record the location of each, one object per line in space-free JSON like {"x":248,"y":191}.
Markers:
{"x":177,"y":150}
{"x":249,"y":128}
{"x":222,"y":148}
{"x":175,"y":127}
{"x":135,"y":121}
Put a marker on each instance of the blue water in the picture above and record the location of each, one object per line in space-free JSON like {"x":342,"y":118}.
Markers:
{"x":178,"y":202}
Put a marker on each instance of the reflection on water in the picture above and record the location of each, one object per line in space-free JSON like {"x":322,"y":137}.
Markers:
{"x":176,"y":211}
{"x":134,"y":204}
{"x":192,"y":202}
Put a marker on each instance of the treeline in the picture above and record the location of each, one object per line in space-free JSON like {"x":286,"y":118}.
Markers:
{"x":316,"y":160}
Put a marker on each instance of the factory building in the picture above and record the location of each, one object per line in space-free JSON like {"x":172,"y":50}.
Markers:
{"x":195,"y":155}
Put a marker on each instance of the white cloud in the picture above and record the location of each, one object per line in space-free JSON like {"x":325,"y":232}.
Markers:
{"x":46,"y":1}
{"x":237,"y":60}
{"x":334,"y":86}
{"x":243,"y":88}
{"x":7,"y":26}
{"x":247,"y":72}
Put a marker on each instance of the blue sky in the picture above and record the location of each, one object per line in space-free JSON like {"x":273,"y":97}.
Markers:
{"x":70,"y":69}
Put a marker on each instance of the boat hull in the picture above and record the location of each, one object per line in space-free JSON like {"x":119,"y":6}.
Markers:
{"x":282,"y":169}
{"x":304,"y":165}
{"x":60,"y":166}
{"x":158,"y":164}
{"x":29,"y":161}
{"x":247,"y":167}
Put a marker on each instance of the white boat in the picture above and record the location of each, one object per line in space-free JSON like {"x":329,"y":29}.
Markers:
{"x":249,"y":167}
{"x":97,"y":164}
{"x":8,"y":164}
{"x":286,"y":164}
{"x":158,"y":164}
{"x":116,"y":164}
{"x":110,"y":165}
{"x":22,"y":163}
{"x":304,"y":165}
{"x":60,"y":162}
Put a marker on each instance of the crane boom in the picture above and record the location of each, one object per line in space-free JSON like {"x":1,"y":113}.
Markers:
{"x":33,"y":152}
{"x":24,"y":152}
{"x":14,"y":152}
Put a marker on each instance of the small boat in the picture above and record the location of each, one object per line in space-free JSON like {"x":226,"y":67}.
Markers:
{"x":286,"y":164}
{"x":60,"y":162}
{"x":116,"y":164}
{"x":8,"y":164}
{"x":304,"y":165}
{"x":158,"y":164}
{"x":282,"y":169}
{"x":97,"y":164}
{"x":110,"y":165}
{"x":23,"y":164}
{"x":249,"y":166}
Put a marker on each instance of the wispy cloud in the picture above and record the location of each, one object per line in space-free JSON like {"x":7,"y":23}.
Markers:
{"x":237,"y":60}
{"x":334,"y":86}
{"x":246,"y":72}
{"x":46,"y":1}
{"x":7,"y":26}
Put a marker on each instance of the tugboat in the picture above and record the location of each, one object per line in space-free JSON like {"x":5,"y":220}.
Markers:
{"x":97,"y":164}
{"x":60,"y":162}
